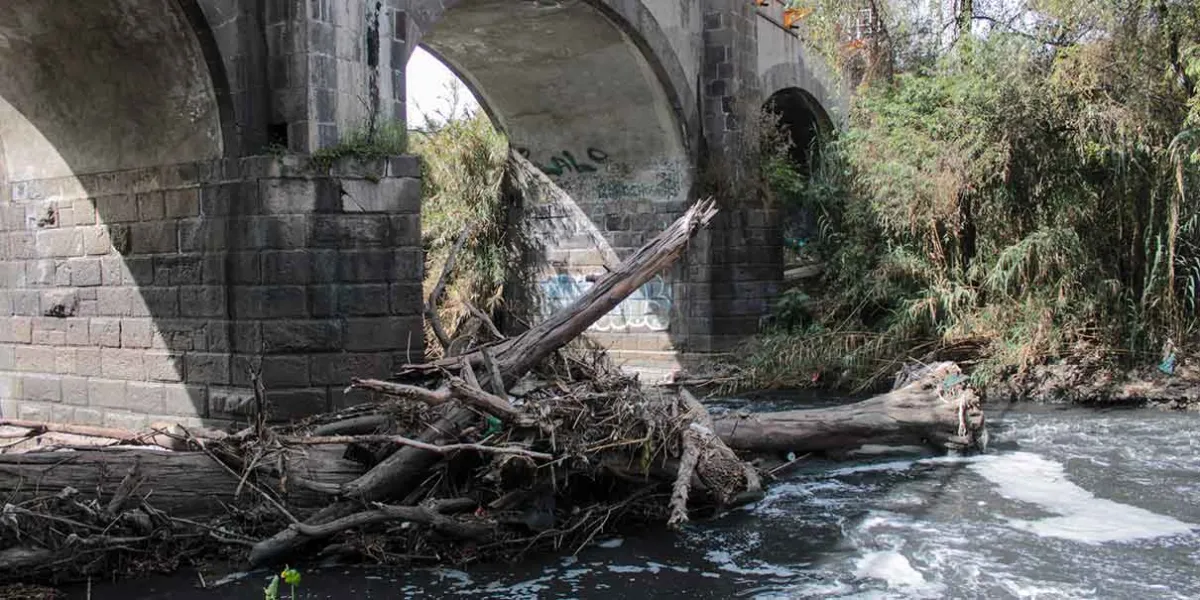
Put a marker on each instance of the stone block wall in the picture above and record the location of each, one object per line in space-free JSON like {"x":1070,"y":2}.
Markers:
{"x":305,"y":73}
{"x":736,"y":266}
{"x":150,"y":294}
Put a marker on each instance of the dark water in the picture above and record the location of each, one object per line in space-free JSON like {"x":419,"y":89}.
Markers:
{"x":1069,"y":503}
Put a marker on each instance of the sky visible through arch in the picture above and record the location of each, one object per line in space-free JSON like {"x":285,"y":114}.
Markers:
{"x":431,"y":92}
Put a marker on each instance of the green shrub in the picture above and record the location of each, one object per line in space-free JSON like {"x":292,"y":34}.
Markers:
{"x":1010,"y":195}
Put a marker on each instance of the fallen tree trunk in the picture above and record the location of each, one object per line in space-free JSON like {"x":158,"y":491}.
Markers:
{"x":181,"y":483}
{"x":936,"y":407}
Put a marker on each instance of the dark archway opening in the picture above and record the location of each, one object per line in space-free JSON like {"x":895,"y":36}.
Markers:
{"x":801,"y":117}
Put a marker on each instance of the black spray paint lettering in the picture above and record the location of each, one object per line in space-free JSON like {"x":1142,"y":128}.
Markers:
{"x":565,"y":162}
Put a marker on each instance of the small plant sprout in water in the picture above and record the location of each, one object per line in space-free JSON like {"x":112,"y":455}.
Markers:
{"x":289,"y":576}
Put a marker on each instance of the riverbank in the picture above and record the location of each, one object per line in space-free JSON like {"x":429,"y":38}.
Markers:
{"x":1092,"y":384}
{"x":1087,"y":376}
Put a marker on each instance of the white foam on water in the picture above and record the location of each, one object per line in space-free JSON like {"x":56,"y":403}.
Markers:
{"x":612,"y":543}
{"x":725,"y":561}
{"x":459,"y":578}
{"x":230,"y":578}
{"x":895,"y":465}
{"x":878,"y":449}
{"x":633,"y":569}
{"x":890,"y":567}
{"x":1083,"y":517}
{"x":573,"y":574}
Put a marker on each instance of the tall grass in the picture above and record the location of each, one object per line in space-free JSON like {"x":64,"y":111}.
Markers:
{"x":464,"y":163}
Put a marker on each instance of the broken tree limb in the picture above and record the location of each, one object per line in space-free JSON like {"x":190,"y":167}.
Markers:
{"x":936,"y":408}
{"x":400,"y":390}
{"x":727,"y":477}
{"x":435,"y":296}
{"x":692,"y":441}
{"x":394,"y":474}
{"x":489,"y":403}
{"x":456,"y":389}
{"x":434,"y":515}
{"x":397,"y":439}
{"x":354,"y":425}
{"x":516,"y":356}
{"x":485,"y":319}
{"x":37,"y":427}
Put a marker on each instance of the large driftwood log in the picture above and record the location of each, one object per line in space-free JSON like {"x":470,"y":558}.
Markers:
{"x":181,"y":483}
{"x":932,"y":407}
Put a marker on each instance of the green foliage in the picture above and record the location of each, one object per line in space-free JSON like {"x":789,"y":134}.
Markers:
{"x":1018,"y":193}
{"x":464,"y":165}
{"x":379,"y":140}
{"x":271,"y":592}
{"x":289,"y":576}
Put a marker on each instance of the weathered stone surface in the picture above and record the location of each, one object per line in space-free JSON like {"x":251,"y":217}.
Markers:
{"x":290,"y":404}
{"x":206,"y":367}
{"x":285,"y":371}
{"x":301,"y":336}
{"x":270,"y":302}
{"x":336,"y":369}
{"x":382,"y":333}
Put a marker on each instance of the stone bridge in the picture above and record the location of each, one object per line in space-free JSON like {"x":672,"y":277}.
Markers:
{"x":164,"y":230}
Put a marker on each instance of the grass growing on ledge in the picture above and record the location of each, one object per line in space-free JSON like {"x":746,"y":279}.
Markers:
{"x":387,"y":138}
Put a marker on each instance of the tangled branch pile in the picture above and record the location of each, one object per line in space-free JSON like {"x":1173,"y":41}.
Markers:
{"x":512,"y":447}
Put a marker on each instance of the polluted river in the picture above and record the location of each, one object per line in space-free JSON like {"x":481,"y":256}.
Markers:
{"x":1066,"y":503}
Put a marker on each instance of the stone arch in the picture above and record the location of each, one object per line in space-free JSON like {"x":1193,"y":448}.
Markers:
{"x":803,"y":118}
{"x":578,"y":86}
{"x":232,"y":140}
{"x":631,"y":17}
{"x":142,"y":93}
{"x":784,"y":62}
{"x":110,"y":111}
{"x":799,"y":115}
{"x":594,"y":94}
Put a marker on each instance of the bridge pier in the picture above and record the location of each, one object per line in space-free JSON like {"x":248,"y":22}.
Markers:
{"x":735,"y":268}
{"x":152,"y":293}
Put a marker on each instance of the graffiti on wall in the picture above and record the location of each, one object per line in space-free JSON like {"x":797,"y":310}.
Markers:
{"x":647,"y":309}
{"x":565,"y":161}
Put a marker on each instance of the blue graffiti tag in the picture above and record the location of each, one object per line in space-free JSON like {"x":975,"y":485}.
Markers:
{"x":647,"y":308}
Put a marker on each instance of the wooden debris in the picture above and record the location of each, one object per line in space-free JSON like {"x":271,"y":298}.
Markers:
{"x":448,"y":465}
